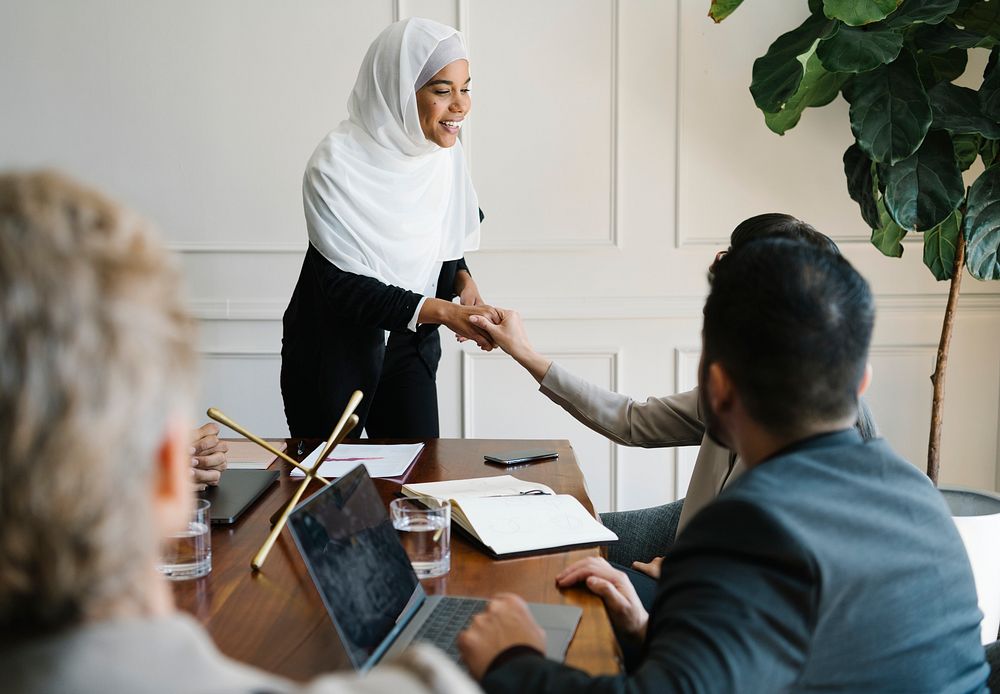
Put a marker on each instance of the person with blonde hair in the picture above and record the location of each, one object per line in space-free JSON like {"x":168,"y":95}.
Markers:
{"x":97,"y":347}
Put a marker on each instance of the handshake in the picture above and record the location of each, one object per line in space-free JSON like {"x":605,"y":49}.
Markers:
{"x":487,"y":326}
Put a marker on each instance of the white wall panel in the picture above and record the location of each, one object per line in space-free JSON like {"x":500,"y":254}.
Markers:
{"x":545,"y":120}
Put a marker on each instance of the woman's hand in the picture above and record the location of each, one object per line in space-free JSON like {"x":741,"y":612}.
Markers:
{"x":510,"y":335}
{"x":457,"y":319}
{"x":468,"y":294}
{"x":467,"y":289}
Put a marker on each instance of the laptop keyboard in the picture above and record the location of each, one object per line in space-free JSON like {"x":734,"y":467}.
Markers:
{"x":447,"y":620}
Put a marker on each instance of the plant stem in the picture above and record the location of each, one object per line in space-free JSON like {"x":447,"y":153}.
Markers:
{"x":941,"y":363}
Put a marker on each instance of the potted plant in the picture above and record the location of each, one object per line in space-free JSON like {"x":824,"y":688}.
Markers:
{"x":917,"y":135}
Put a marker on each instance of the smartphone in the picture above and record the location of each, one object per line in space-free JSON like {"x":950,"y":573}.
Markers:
{"x":515,"y":457}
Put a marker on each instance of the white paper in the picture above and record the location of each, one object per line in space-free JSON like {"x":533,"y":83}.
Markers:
{"x":382,"y":461}
{"x":247,"y":455}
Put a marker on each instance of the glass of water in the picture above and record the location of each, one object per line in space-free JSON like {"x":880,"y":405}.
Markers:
{"x":424,"y":528}
{"x":188,"y":553}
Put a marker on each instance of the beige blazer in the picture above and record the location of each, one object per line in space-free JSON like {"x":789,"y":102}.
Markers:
{"x":174,"y":654}
{"x":674,"y":420}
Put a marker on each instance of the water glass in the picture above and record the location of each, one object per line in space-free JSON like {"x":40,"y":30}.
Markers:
{"x":188,"y":554}
{"x":424,"y":528}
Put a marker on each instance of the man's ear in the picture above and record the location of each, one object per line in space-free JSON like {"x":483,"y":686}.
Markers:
{"x":866,"y":380}
{"x":721,"y":393}
{"x":173,"y":492}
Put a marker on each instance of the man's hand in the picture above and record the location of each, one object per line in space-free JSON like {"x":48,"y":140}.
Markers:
{"x":509,"y":335}
{"x":506,"y":622}
{"x":208,"y":456}
{"x":651,"y":568}
{"x":614,"y":588}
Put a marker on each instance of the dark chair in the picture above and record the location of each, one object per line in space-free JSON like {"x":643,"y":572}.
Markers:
{"x":644,"y":533}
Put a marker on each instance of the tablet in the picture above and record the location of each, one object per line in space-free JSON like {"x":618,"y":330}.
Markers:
{"x":236,"y":492}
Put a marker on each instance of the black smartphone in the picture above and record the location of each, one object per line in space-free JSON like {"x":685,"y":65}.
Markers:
{"x":515,"y":457}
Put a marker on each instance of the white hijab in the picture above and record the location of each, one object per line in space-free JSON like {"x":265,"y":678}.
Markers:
{"x":381,"y":200}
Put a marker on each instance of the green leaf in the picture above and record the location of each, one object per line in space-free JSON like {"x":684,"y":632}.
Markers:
{"x":941,"y":67}
{"x":857,"y":12}
{"x":921,"y":12}
{"x":989,"y":91}
{"x":982,"y":226}
{"x":856,"y":50}
{"x":966,"y":149}
{"x":817,"y":88}
{"x":922,"y":190}
{"x":861,"y":184}
{"x":943,"y":37}
{"x":956,"y":109}
{"x":890,"y":112}
{"x":777,"y":74}
{"x":888,"y":236}
{"x":940,"y":244}
{"x":722,"y":8}
{"x":989,"y":150}
{"x":982,"y":17}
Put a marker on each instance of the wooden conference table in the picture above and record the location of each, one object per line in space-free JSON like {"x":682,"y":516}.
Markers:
{"x":275,"y":619}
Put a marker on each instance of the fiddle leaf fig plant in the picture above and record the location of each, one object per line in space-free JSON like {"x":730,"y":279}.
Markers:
{"x":916,"y":132}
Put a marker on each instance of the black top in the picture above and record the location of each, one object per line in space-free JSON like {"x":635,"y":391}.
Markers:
{"x":832,"y":567}
{"x":333,"y":339}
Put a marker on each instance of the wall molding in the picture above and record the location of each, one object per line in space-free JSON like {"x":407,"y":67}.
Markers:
{"x":613,"y":240}
{"x":606,"y":308}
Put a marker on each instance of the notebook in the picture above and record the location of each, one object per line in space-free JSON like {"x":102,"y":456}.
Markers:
{"x":509,"y":516}
{"x":369,"y":589}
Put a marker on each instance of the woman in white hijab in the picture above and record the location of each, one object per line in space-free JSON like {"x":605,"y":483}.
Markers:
{"x":390,"y":210}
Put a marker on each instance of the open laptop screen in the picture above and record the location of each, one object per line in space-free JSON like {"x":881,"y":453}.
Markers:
{"x":356,"y":561}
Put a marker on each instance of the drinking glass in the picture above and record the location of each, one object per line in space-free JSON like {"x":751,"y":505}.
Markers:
{"x":424,"y":528}
{"x":188,"y":554}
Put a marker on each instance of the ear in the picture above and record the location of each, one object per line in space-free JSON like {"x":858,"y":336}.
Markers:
{"x":721,"y":392}
{"x":866,"y":380}
{"x":173,"y":492}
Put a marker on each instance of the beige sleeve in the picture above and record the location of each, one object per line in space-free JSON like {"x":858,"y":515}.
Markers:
{"x":420,"y":669}
{"x":674,"y":420}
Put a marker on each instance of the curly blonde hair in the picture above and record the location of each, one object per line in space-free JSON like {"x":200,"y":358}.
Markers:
{"x":96,"y":354}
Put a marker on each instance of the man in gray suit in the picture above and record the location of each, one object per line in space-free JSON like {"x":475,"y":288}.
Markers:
{"x":832,"y":564}
{"x":97,"y":376}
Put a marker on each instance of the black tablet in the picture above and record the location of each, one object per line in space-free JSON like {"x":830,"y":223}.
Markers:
{"x":236,"y":491}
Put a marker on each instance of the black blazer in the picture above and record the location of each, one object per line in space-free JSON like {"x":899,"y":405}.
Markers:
{"x":333,"y":338}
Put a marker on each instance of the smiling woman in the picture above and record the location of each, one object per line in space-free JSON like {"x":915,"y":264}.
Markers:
{"x":390,"y":210}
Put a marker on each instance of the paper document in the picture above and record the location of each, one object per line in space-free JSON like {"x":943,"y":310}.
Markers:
{"x":380,"y":460}
{"x":247,"y":455}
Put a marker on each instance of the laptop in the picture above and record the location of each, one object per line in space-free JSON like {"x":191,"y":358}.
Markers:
{"x":236,"y":491}
{"x":366,"y":582}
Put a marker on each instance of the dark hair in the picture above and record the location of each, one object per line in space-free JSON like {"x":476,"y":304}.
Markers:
{"x":791,"y":323}
{"x":776,"y":225}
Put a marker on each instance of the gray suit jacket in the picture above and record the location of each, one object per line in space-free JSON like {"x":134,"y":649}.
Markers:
{"x":170,"y":655}
{"x":674,"y":420}
{"x":834,"y":566}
